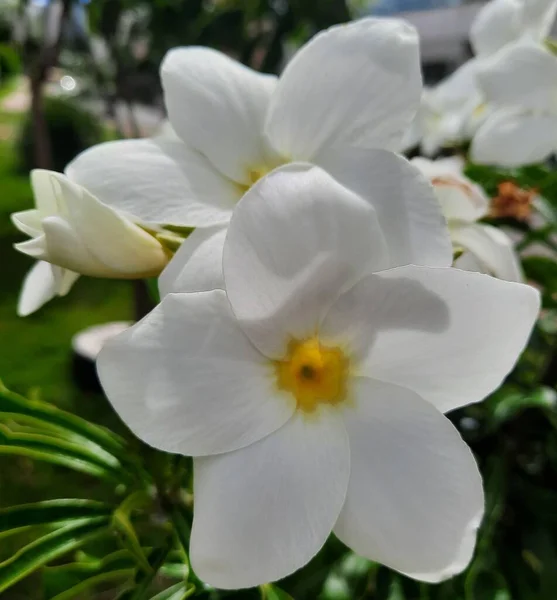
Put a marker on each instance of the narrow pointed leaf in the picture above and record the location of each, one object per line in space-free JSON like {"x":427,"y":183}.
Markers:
{"x":92,"y":582}
{"x":121,"y":521}
{"x":180,"y":591}
{"x":271,"y":592}
{"x":14,"y":403}
{"x":51,"y":511}
{"x":50,"y":547}
{"x":62,"y":452}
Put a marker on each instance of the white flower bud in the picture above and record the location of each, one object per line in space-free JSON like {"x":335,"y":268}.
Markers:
{"x":70,"y":228}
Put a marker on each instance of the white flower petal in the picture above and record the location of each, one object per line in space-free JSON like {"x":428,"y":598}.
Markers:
{"x":157,"y":181}
{"x":492,"y":247}
{"x":459,"y":196}
{"x":197,"y":266}
{"x":64,"y":279}
{"x":28,"y":221}
{"x":117,"y":247}
{"x":47,"y":201}
{"x":185,"y":379}
{"x":65,"y":248}
{"x":294,"y":241}
{"x":415,"y":497}
{"x":356,"y":85}
{"x":523,"y":75}
{"x":449,"y":335}
{"x":217,"y":106}
{"x":374,"y":305}
{"x":458,"y":88}
{"x":41,"y":284}
{"x":407,"y":209}
{"x":497,"y":23}
{"x":514,"y":139}
{"x":38,"y":288}
{"x":264,"y":511}
{"x":538,"y":18}
{"x":35,"y":248}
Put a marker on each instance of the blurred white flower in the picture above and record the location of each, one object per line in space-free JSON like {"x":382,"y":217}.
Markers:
{"x":351,"y":90}
{"x":311,"y":393}
{"x":522,"y":82}
{"x":502,"y":22}
{"x":447,"y":112}
{"x":480,"y":247}
{"x":456,"y":108}
{"x":77,"y":234}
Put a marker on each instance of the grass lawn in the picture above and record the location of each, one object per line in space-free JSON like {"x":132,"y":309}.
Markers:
{"x":35,"y":353}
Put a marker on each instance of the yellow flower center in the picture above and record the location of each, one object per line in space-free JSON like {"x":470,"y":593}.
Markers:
{"x":253,"y":175}
{"x":313,"y":373}
{"x":479,"y":110}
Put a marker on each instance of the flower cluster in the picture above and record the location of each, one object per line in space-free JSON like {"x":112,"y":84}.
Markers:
{"x":486,"y":98}
{"x":312,"y":330}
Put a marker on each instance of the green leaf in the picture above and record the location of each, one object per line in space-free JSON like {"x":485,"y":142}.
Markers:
{"x":271,"y":592}
{"x":62,"y":452}
{"x":180,"y":591}
{"x":122,"y":523}
{"x":14,"y":403}
{"x":542,"y":270}
{"x":511,"y":404}
{"x":143,"y":579}
{"x":92,"y":582}
{"x":153,"y":288}
{"x":335,"y":588}
{"x":50,"y":511}
{"x":50,"y":547}
{"x":353,"y":566}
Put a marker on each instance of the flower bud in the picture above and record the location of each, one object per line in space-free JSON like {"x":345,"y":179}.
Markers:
{"x":70,"y":228}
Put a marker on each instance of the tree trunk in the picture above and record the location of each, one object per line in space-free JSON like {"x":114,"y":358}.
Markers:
{"x":45,"y":61}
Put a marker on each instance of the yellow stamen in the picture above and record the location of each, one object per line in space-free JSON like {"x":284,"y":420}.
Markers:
{"x":253,"y":175}
{"x":313,"y":373}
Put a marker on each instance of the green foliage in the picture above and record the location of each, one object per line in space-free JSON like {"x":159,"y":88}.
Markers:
{"x":10,"y":63}
{"x":50,"y":511}
{"x":71,"y":129}
{"x":50,"y":547}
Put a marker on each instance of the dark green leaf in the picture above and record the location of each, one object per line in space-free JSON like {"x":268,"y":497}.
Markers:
{"x":180,"y":591}
{"x":271,"y":592}
{"x":542,"y":270}
{"x":50,"y":547}
{"x":511,"y":404}
{"x":92,"y":582}
{"x":121,"y":521}
{"x":62,"y":452}
{"x":13,"y":403}
{"x":50,"y":511}
{"x":143,"y":579}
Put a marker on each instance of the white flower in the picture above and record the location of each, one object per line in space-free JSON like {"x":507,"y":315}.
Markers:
{"x":77,"y":234}
{"x":503,"y":22}
{"x":311,"y":392}
{"x":453,"y":110}
{"x":351,"y":90}
{"x":408,"y":214}
{"x":483,"y":248}
{"x":522,"y":81}
{"x":447,"y":112}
